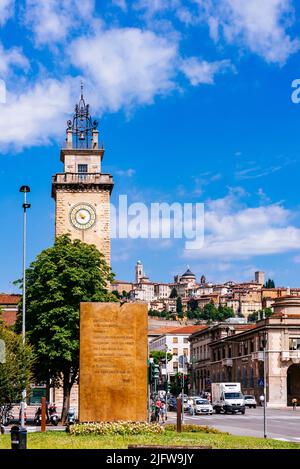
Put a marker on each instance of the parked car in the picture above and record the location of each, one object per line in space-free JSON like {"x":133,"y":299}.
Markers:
{"x":172,"y":404}
{"x":201,"y":406}
{"x":186,"y":405}
{"x":250,"y":401}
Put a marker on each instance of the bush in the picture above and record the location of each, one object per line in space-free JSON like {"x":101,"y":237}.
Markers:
{"x":189,"y":428}
{"x":115,"y":428}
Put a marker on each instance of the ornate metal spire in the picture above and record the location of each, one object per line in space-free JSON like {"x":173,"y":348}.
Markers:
{"x":82,"y":124}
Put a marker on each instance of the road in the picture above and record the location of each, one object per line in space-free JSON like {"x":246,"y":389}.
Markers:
{"x":282,"y":424}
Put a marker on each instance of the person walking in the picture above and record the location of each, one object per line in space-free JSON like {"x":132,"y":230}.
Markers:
{"x":162,"y":412}
{"x":157,"y":409}
{"x":191,"y":405}
{"x":294,"y":403}
{"x":261,"y":400}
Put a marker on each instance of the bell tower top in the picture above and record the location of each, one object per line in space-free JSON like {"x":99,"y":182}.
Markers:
{"x":82,"y":153}
{"x":82,"y":130}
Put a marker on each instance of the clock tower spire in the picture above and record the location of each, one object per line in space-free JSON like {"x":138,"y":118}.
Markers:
{"x":82,"y":191}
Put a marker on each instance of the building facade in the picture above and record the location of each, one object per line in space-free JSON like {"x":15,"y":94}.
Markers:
{"x":176,"y":342}
{"x":228,"y":352}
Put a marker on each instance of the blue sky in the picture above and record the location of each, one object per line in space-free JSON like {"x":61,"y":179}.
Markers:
{"x":194,"y":103}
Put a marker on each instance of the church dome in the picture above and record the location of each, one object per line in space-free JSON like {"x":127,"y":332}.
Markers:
{"x":188,"y":273}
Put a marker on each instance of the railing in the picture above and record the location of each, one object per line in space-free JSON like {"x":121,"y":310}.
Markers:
{"x":227,"y":362}
{"x":82,"y":178}
{"x":290,"y":355}
{"x":258,"y":356}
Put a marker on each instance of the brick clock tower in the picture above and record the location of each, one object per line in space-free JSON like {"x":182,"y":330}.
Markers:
{"x":82,"y":191}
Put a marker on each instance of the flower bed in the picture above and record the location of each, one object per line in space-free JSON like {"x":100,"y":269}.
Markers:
{"x":115,"y":428}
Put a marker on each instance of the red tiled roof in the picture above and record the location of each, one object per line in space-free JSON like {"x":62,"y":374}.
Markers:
{"x":9,"y":299}
{"x":161,"y":330}
{"x":186,"y":329}
{"x":243,"y":327}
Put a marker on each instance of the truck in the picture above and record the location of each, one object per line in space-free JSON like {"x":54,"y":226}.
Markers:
{"x":227,"y":397}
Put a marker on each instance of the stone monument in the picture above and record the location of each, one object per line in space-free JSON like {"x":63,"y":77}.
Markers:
{"x":113,"y":362}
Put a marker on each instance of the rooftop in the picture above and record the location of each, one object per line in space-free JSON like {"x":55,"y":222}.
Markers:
{"x":9,"y":299}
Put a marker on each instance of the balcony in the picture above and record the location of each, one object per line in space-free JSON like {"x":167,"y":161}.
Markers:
{"x":227,"y":362}
{"x":69,"y":181}
{"x":293,"y":355}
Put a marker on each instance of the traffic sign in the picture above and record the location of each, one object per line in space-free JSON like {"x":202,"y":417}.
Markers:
{"x":261,"y":382}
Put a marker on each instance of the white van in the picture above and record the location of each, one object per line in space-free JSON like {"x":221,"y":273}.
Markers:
{"x":227,"y":398}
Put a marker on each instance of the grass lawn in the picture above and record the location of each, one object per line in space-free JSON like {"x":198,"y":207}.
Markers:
{"x":62,"y":440}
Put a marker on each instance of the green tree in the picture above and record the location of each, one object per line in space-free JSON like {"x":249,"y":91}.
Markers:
{"x":159,"y":356}
{"x":269,"y":283}
{"x":258,"y":315}
{"x":116,"y":293}
{"x":210,"y":312}
{"x":15,"y":371}
{"x":59,"y":279}
{"x":173,"y":293}
{"x":224,"y":312}
{"x":178,"y":306}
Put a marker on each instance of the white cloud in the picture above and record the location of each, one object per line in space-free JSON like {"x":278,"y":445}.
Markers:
{"x":152,"y":7}
{"x":261,"y":26}
{"x":126,"y":66}
{"x":234,"y":231}
{"x":51,"y":21}
{"x":11,"y":58}
{"x":6,"y":10}
{"x":121,"y":4}
{"x":201,"y":71}
{"x":126,"y":172}
{"x":256,"y":172}
{"x":37,"y":115}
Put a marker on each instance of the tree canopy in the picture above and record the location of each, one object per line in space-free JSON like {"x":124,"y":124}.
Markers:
{"x":159,"y":356}
{"x":269,"y":283}
{"x":15,"y":366}
{"x":210,"y":312}
{"x":59,"y":279}
{"x":261,"y":314}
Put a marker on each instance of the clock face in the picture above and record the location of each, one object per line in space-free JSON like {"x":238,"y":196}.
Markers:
{"x":83,"y":216}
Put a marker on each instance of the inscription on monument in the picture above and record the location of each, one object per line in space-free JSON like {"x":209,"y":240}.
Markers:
{"x":113,"y":362}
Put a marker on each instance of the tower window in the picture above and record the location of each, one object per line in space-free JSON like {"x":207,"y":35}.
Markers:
{"x":82,"y":168}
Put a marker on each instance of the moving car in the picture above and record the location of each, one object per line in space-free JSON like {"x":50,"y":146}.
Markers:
{"x":250,"y":401}
{"x":201,"y":406}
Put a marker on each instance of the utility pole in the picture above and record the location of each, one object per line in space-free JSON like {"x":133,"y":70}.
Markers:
{"x":167,"y":379}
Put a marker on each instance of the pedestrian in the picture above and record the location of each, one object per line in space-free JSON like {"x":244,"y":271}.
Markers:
{"x":191,"y":405}
{"x":294,"y":402}
{"x":162,"y":412}
{"x":261,"y":400}
{"x":157,"y":409}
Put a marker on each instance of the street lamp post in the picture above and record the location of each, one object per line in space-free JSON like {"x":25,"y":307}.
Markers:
{"x":24,"y":190}
{"x":193,"y":374}
{"x":264,"y":343}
